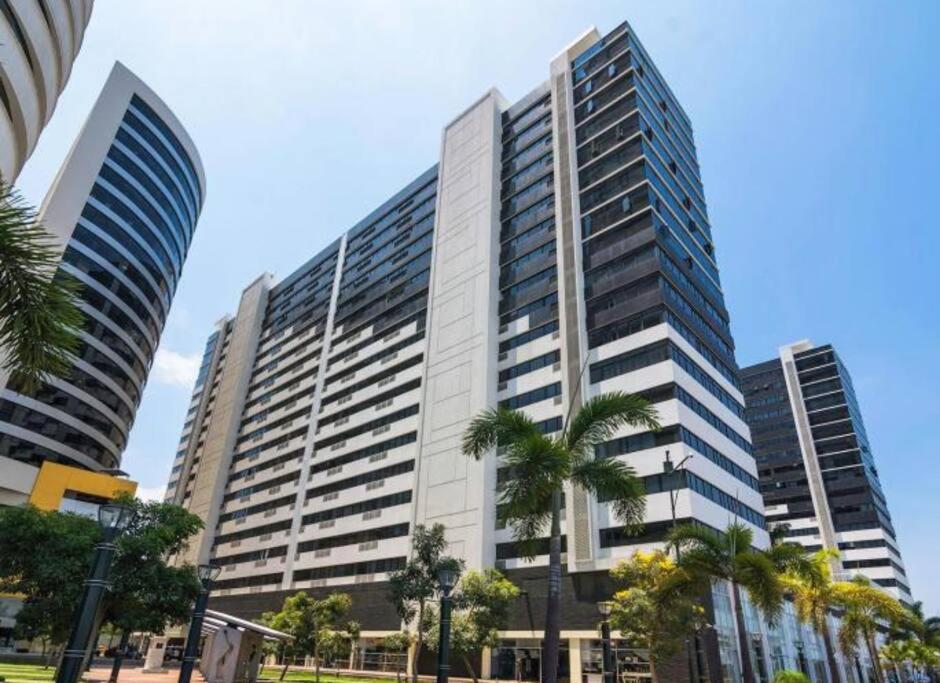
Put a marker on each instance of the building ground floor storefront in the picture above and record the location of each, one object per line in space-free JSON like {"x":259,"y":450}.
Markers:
{"x":711,"y":657}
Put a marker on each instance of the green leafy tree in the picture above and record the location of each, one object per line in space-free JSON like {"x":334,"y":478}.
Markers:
{"x":814,"y":595}
{"x":730,"y":557}
{"x":147,"y":593}
{"x":482,"y":601}
{"x":39,"y":314}
{"x":396,"y":643}
{"x":864,"y":607}
{"x":415,"y":586}
{"x":312,"y":624}
{"x":44,"y":557}
{"x":658,"y":609}
{"x":541,"y":466}
{"x":353,"y":630}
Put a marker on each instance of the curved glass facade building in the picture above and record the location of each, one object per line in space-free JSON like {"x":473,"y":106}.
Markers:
{"x":39,"y":40}
{"x":125,"y":206}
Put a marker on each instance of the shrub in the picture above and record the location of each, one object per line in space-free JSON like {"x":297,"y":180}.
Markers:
{"x":790,"y":677}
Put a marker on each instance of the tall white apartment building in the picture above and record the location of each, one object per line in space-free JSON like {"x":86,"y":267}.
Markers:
{"x":565,"y":229}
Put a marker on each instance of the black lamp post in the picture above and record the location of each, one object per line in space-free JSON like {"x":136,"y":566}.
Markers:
{"x":446,"y":578}
{"x":607,"y":660}
{"x":113,"y":519}
{"x":668,"y":469}
{"x":207,"y":574}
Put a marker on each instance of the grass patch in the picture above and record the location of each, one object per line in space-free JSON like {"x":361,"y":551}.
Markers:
{"x":272,"y":673}
{"x":26,"y":673}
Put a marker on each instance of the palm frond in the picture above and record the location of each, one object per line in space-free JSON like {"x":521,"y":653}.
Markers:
{"x":850,"y":631}
{"x":602,"y":416}
{"x":756,"y":572}
{"x":691,"y":536}
{"x":537,"y":468}
{"x":870,"y":603}
{"x":615,"y":482}
{"x":737,"y":538}
{"x":495,"y":427}
{"x":704,"y":563}
{"x":39,"y":315}
{"x":788,"y":556}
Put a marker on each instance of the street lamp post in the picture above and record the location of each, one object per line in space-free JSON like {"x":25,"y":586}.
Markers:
{"x":207,"y":574}
{"x":668,"y":469}
{"x":113,"y":519}
{"x":607,"y":660}
{"x":447,"y":578}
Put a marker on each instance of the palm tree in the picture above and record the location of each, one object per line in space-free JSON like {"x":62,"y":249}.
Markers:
{"x":932,"y":631}
{"x":926,"y":658}
{"x":39,"y":316}
{"x":729,"y":557}
{"x":813,"y":590}
{"x":864,"y":607}
{"x":896,"y":653}
{"x":541,"y":466}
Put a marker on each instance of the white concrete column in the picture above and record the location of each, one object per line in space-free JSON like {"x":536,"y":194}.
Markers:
{"x":486,"y":663}
{"x":574,"y":660}
{"x":461,"y":352}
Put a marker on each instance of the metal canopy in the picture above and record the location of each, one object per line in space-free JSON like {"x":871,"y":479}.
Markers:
{"x":214,"y":620}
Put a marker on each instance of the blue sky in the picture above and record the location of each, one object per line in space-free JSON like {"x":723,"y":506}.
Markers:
{"x":817,"y":134}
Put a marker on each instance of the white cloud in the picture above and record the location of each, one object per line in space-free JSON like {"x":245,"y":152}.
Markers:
{"x":151,"y":493}
{"x":176,"y":369}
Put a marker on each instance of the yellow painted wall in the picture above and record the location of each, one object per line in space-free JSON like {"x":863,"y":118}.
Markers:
{"x":55,"y":479}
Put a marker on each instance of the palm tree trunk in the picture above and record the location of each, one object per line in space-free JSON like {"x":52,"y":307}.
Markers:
{"x":747,"y":669}
{"x":553,"y":609}
{"x":875,"y":661}
{"x":834,"y":674}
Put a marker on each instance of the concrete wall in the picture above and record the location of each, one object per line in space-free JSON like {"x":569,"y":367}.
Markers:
{"x":459,"y":375}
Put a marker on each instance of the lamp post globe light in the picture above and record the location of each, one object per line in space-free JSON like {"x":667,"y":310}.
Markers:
{"x":447,"y":577}
{"x":607,"y":661}
{"x":207,"y":573}
{"x":113,"y":520}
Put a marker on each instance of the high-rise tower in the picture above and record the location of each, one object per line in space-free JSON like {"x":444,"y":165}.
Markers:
{"x":817,"y":471}
{"x":561,"y":233}
{"x":123,"y":207}
{"x":39,"y":40}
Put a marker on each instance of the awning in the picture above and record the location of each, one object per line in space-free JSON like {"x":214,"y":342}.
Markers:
{"x":214,"y":620}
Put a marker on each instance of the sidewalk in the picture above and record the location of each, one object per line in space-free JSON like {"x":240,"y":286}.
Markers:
{"x":134,"y":674}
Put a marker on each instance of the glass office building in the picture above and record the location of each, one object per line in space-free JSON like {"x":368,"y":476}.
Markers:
{"x":817,"y":470}
{"x":124,"y":206}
